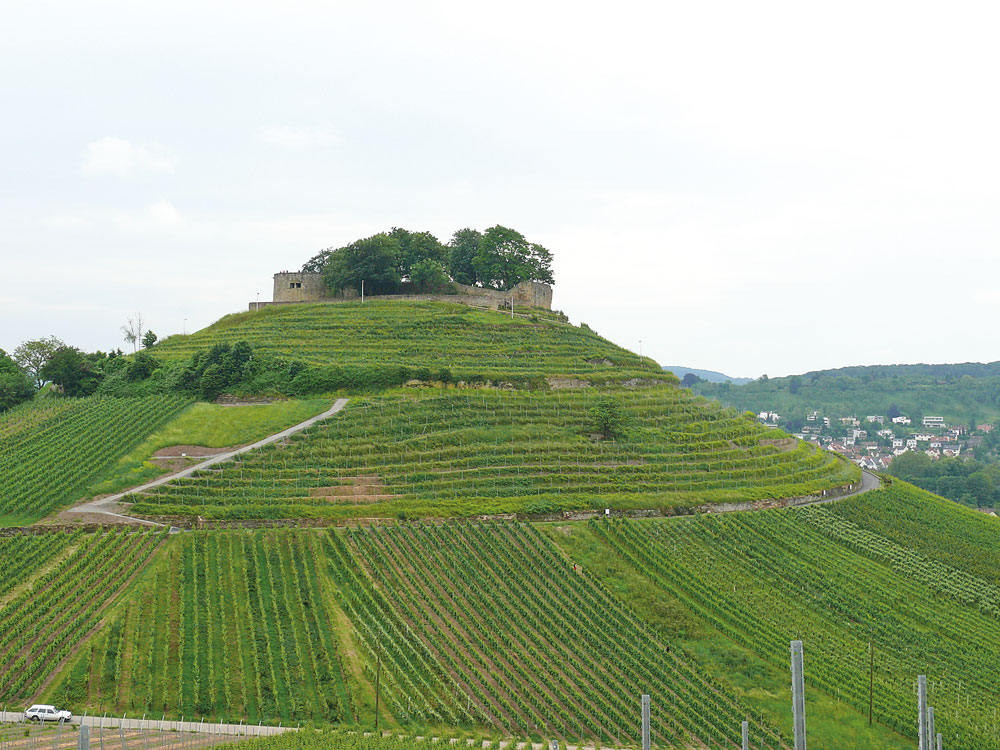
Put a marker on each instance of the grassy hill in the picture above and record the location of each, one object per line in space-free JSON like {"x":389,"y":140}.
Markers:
{"x":552,"y":629}
{"x":434,"y":452}
{"x":431,"y":335}
{"x":491,"y":626}
{"x":959,"y":393}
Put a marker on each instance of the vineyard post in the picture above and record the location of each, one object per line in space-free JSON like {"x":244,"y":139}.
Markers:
{"x":939,"y":741}
{"x":83,"y":740}
{"x":871,"y":680}
{"x":378,"y":672}
{"x":922,"y":711}
{"x":645,"y":722}
{"x":553,"y":744}
{"x":746,"y":735}
{"x":930,"y":728}
{"x":798,"y":697}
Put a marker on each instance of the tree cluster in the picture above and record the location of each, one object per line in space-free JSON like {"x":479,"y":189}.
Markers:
{"x":401,"y":261}
{"x":966,"y":481}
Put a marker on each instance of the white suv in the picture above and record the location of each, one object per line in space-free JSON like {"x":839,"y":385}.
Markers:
{"x":40,"y":712}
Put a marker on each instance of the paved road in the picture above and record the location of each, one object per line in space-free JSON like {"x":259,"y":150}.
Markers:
{"x":109,"y":506}
{"x":132,"y":724}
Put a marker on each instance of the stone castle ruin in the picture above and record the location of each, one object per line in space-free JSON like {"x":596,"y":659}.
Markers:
{"x":296,"y":287}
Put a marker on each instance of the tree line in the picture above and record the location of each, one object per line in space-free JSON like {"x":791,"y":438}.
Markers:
{"x":401,"y":261}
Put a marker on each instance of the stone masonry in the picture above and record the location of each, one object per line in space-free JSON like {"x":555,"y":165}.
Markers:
{"x":296,"y":287}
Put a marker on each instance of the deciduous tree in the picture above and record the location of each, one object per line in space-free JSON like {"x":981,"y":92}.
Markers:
{"x":31,"y":356}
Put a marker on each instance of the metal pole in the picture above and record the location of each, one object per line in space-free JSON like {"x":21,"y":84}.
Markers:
{"x":798,"y":697}
{"x":930,"y":727}
{"x":922,"y":711}
{"x":746,"y":735}
{"x":362,"y":291}
{"x":83,"y":740}
{"x":645,"y":722}
{"x":939,"y":741}
{"x":378,"y":673}
{"x":871,"y":679}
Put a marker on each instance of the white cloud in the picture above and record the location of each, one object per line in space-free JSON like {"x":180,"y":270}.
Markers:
{"x":116,"y":156}
{"x":290,"y":136}
{"x":163,"y":212}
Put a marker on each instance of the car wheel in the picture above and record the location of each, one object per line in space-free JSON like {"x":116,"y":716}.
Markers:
{"x":35,"y":719}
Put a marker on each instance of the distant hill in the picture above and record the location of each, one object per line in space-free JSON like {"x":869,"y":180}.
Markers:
{"x":710,"y":375}
{"x":957,"y":392}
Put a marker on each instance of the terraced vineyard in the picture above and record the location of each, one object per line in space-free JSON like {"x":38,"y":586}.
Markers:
{"x":227,"y":624}
{"x":450,"y":453}
{"x":55,"y":587}
{"x":430,"y":335}
{"x":766,"y":578}
{"x":51,"y":450}
{"x":489,"y":624}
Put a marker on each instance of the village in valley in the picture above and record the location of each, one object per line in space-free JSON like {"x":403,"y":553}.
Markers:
{"x":873,"y":441}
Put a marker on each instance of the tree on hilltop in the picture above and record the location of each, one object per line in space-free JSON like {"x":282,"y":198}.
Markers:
{"x":133,"y":330}
{"x":31,"y":356}
{"x":15,"y":385}
{"x":373,"y":260}
{"x":500,"y":258}
{"x":463,"y":247}
{"x":414,"y":248}
{"x":72,"y":372}
{"x":428,"y":276}
{"x":505,"y":259}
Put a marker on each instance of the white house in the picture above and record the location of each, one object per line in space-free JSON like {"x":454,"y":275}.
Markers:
{"x":876,"y":418}
{"x":901,"y":420}
{"x":937,"y":422}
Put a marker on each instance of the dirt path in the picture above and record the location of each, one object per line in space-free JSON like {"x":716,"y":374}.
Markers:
{"x":107,"y":508}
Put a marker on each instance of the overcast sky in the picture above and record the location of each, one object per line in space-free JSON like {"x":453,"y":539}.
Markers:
{"x":747,"y":187}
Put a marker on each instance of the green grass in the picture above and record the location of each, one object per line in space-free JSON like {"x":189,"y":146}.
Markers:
{"x":760,"y":684}
{"x":209,"y":426}
{"x":433,"y":335}
{"x":454,"y":452}
{"x":51,"y":450}
{"x":763,"y":579}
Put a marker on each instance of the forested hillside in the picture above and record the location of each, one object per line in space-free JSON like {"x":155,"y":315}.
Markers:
{"x":960,"y":393}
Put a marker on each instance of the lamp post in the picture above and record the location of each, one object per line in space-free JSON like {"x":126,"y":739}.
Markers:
{"x":258,"y":301}
{"x":185,"y":326}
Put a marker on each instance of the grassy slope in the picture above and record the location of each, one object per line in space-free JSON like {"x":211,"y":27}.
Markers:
{"x":433,"y":452}
{"x":760,"y":579}
{"x":210,"y":426}
{"x":422,"y":334}
{"x":833,"y":724}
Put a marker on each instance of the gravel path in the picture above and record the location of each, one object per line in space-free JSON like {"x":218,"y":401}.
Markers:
{"x":110,"y":506}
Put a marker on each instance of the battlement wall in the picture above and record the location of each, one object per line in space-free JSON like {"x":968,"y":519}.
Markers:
{"x":296,"y":287}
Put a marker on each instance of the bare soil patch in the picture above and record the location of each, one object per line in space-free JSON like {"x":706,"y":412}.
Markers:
{"x":558,"y":384}
{"x":358,"y":490}
{"x":784,"y":445}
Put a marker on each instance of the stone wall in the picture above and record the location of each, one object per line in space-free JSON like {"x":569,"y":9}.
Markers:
{"x":298,"y":287}
{"x":293,"y":288}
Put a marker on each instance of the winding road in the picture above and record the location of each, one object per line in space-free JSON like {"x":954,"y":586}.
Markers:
{"x":110,"y":505}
